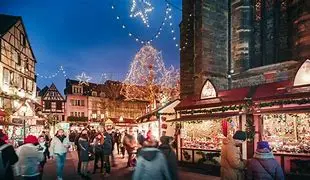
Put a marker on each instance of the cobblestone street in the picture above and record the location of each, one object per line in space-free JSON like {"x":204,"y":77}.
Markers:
{"x":118,"y":173}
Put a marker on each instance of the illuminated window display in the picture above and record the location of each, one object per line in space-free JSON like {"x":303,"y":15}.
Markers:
{"x":287,"y":133}
{"x":207,"y":134}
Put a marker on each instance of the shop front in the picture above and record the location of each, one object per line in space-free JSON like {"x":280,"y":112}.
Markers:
{"x":123,"y":124}
{"x":282,"y":117}
{"x":203,"y":122}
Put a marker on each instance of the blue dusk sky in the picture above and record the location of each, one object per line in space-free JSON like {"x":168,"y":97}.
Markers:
{"x":85,"y":36}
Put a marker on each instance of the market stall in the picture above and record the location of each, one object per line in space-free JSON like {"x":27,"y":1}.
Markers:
{"x":123,"y":124}
{"x":157,"y":121}
{"x":203,"y":121}
{"x":282,"y":118}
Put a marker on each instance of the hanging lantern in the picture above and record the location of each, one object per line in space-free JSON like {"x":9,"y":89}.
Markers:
{"x":225,"y":127}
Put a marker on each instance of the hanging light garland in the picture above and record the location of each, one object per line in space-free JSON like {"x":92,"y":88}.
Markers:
{"x":155,"y":36}
{"x":59,"y":71}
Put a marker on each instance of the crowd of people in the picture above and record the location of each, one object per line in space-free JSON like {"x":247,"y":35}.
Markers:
{"x":151,"y":159}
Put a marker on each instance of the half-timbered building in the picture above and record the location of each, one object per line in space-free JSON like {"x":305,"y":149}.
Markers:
{"x":53,"y":103}
{"x":17,"y":68}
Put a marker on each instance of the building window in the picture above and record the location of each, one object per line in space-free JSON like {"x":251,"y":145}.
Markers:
{"x":71,"y":114}
{"x":58,"y":105}
{"x":75,"y":114}
{"x":82,"y":103}
{"x":1,"y":102}
{"x":6,"y":76}
{"x":22,"y":39}
{"x":77,"y":89}
{"x":82,"y":114}
{"x":47,"y":105}
{"x":94,"y":93}
{"x":102,"y":94}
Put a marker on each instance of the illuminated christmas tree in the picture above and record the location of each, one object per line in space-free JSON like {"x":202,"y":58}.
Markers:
{"x":149,"y":80}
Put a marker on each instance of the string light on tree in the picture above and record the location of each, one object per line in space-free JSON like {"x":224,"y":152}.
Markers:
{"x":83,"y":79}
{"x":141,"y":8}
{"x":148,"y":79}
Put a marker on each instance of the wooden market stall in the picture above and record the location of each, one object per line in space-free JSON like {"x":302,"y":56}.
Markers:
{"x":204,"y":121}
{"x":282,"y":117}
{"x":157,"y":121}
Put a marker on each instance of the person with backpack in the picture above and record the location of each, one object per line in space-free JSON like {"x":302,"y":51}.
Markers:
{"x":151,"y":163}
{"x":29,"y":159}
{"x":263,"y":165}
{"x":58,"y":150}
{"x":170,"y":156}
{"x":8,"y":157}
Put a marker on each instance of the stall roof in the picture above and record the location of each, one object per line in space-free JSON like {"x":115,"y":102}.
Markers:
{"x":155,"y":111}
{"x":280,"y":90}
{"x":227,"y":97}
{"x":125,"y":120}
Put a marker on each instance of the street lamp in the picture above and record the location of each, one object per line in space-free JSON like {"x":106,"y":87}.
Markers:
{"x":23,"y":109}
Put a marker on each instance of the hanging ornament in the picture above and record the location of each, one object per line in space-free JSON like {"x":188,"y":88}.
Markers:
{"x":83,"y":79}
{"x":141,"y":8}
{"x":225,"y":127}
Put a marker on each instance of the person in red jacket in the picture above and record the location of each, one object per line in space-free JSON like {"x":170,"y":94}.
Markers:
{"x":9,"y":156}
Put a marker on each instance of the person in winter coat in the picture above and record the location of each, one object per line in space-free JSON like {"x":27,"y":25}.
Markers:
{"x":130,"y":145}
{"x":122,"y":147}
{"x":107,"y":151}
{"x":263,"y":165}
{"x":117,"y":140}
{"x":98,"y":150}
{"x":29,"y":159}
{"x":76,"y":142}
{"x":84,"y":150}
{"x":43,"y":148}
{"x":58,"y":150}
{"x":170,"y":156}
{"x":9,"y":157}
{"x":151,"y":163}
{"x":232,"y":166}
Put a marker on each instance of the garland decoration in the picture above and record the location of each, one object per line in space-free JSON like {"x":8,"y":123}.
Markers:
{"x":214,"y":110}
{"x":250,"y":128}
{"x":285,"y":102}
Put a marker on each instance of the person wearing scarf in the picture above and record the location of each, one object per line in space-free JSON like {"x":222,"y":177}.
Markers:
{"x":264,"y":165}
{"x":58,"y":150}
{"x":43,"y":148}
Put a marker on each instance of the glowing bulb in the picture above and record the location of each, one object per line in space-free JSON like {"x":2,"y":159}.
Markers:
{"x":117,"y":17}
{"x":112,"y":7}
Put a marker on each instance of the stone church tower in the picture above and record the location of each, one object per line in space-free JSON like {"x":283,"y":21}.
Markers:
{"x":238,"y":43}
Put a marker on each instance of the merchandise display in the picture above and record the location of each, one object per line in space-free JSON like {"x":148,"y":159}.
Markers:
{"x":287,"y":133}
{"x":153,"y":126}
{"x":205,"y":135}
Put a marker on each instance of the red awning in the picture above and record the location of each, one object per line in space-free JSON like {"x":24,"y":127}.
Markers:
{"x":2,"y":113}
{"x":280,"y":90}
{"x":225,"y":98}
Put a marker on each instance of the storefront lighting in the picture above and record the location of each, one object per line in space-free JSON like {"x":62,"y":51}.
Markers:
{"x":121,"y":119}
{"x":5,"y":88}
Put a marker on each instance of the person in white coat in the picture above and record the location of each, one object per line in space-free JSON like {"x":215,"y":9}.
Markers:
{"x":58,"y":150}
{"x":29,"y":159}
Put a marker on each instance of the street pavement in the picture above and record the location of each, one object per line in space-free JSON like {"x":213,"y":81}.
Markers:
{"x":118,"y":173}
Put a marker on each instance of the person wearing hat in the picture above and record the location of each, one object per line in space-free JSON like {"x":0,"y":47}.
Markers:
{"x":29,"y":158}
{"x":9,"y":157}
{"x":263,"y":165}
{"x":232,"y":166}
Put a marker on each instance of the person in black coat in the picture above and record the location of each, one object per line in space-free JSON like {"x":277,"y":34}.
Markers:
{"x":107,"y":151}
{"x":9,"y":156}
{"x":84,"y":131}
{"x":170,"y":155}
{"x":98,"y":150}
{"x":84,"y":150}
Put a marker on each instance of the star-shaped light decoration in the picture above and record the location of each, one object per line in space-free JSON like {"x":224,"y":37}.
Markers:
{"x":141,"y":8}
{"x":83,"y":79}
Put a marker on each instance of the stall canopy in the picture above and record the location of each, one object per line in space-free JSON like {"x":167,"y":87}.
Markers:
{"x":124,"y":122}
{"x":224,"y":98}
{"x":151,"y":116}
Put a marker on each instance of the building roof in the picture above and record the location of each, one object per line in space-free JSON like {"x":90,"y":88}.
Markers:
{"x":227,"y":97}
{"x":6,"y":22}
{"x":43,"y":91}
